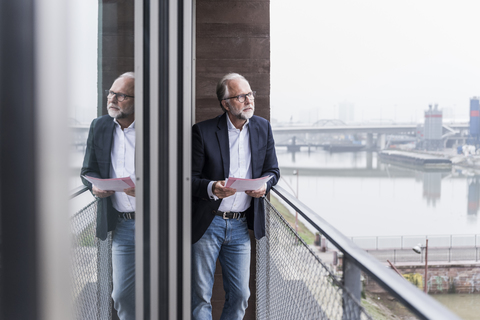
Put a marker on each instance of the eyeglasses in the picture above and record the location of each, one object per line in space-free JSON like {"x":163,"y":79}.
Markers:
{"x":120,"y":96}
{"x":241,"y":97}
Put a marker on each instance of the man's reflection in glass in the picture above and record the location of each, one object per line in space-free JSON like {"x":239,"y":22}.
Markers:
{"x":111,"y":154}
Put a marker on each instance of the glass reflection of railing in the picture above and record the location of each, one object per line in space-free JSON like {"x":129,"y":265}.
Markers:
{"x":91,"y":265}
{"x":293,"y":283}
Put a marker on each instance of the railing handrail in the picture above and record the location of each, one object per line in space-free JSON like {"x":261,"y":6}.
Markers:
{"x":78,"y":191}
{"x":417,"y":301}
{"x":419,"y":235}
{"x":451,"y":238}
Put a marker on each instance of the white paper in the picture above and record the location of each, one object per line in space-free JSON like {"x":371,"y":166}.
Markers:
{"x":242,"y":185}
{"x":117,"y":184}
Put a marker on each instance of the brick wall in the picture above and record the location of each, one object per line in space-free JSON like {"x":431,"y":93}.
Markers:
{"x":442,"y":278}
{"x":232,"y":36}
{"x":115,"y":45}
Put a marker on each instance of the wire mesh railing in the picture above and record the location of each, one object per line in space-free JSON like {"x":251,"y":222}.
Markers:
{"x":91,"y":267}
{"x":293,"y":283}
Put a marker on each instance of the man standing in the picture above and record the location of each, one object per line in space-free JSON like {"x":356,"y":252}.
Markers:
{"x":235,"y":144}
{"x":111,"y":154}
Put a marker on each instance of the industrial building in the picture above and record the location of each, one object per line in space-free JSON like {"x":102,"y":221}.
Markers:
{"x":474,"y":136}
{"x":432,"y":132}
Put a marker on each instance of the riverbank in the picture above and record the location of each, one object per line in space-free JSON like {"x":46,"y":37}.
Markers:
{"x":302,"y":230}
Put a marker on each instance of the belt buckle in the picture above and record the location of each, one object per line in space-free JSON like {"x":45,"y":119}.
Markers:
{"x":236,"y":215}
{"x":224,"y":215}
{"x":127,"y":215}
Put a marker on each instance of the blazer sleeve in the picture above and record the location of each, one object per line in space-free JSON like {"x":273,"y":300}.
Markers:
{"x":270,"y":165}
{"x":90,"y":163}
{"x":199,"y":184}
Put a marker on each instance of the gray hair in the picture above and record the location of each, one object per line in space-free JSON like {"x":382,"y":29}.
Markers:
{"x":222,"y":86}
{"x":130,"y":75}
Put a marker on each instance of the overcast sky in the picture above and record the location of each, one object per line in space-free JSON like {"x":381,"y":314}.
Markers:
{"x":390,"y":59}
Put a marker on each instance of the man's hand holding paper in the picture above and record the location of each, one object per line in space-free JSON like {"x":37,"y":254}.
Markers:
{"x":220,"y":191}
{"x":103,"y":188}
{"x":247,"y":184}
{"x":260,"y":192}
{"x":101,"y":193}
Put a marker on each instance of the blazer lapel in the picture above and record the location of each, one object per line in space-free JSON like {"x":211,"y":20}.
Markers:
{"x":222,"y":137}
{"x":252,"y":125}
{"x":107,"y":143}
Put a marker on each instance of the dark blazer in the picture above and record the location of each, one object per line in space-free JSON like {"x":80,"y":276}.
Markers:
{"x":211,"y":162}
{"x":96,"y":164}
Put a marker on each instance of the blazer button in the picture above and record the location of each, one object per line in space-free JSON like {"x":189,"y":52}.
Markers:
{"x":214,"y":211}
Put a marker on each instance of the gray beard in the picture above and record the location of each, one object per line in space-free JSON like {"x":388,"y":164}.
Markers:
{"x":118,"y":114}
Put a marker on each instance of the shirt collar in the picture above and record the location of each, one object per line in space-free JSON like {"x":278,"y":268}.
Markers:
{"x":230,"y":125}
{"x":131,"y":126}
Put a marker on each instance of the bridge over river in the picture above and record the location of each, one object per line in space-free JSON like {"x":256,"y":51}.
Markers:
{"x":451,"y":131}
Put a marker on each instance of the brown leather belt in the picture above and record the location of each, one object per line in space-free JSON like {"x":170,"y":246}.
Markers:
{"x":127,"y":215}
{"x":230,"y":214}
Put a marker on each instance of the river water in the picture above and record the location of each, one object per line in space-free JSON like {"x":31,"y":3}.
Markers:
{"x":466,"y":306}
{"x":361,"y":196}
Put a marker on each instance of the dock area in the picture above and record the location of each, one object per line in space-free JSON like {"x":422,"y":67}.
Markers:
{"x":416,"y":159}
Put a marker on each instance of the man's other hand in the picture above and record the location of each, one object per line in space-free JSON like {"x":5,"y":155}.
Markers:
{"x":101,"y":193}
{"x":260,"y":192}
{"x":130,"y":191}
{"x":220,"y":191}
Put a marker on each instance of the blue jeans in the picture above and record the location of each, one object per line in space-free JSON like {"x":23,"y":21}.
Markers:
{"x":229,"y":241}
{"x":123,"y":264}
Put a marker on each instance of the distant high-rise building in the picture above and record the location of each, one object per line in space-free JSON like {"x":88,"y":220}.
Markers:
{"x":346,"y":112}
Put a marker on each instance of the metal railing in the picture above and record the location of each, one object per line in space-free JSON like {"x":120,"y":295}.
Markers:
{"x":408,"y":242}
{"x":455,"y":254}
{"x":91,"y":266}
{"x":292,"y":283}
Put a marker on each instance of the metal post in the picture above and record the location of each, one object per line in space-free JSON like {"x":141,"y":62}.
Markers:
{"x":353,"y":285}
{"x":296,"y":213}
{"x":426,"y":267}
{"x":19,"y":276}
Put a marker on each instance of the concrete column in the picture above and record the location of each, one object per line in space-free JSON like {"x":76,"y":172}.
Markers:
{"x":369,"y":140}
{"x":381,"y":141}
{"x":369,"y":160}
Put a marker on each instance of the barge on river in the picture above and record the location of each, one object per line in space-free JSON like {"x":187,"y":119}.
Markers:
{"x":415,"y":159}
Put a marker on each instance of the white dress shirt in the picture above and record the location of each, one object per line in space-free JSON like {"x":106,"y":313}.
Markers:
{"x":123,"y":164}
{"x":240,"y":167}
